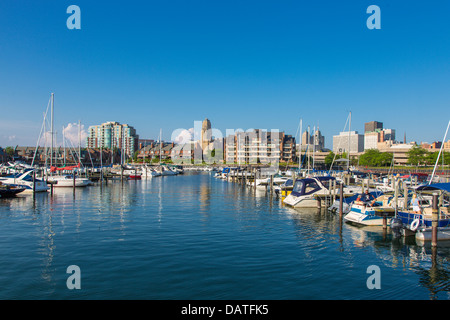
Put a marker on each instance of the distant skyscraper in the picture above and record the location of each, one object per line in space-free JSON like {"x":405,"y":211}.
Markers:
{"x":373,"y":126}
{"x":314,"y":141}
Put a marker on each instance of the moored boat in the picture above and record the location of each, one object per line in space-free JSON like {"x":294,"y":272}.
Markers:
{"x":308,"y":192}
{"x":369,"y":215}
{"x":7,"y":191}
{"x":25,"y":180}
{"x":68,"y":181}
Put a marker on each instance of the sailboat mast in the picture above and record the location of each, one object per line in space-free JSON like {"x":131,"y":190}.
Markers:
{"x":79,"y":141}
{"x":51,"y":129}
{"x":64,"y":146}
{"x":309,"y":143}
{"x":160,"y":140}
{"x":439,"y":154}
{"x":300,"y":151}
{"x":349,"y":132}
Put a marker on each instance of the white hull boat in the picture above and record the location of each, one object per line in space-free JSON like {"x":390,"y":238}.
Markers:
{"x":67,"y":181}
{"x":25,"y":180}
{"x":307,"y":192}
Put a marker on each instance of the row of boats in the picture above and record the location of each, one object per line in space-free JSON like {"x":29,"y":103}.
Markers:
{"x":20,"y":177}
{"x":399,"y":202}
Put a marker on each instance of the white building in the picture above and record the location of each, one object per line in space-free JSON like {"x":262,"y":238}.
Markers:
{"x":346,"y":140}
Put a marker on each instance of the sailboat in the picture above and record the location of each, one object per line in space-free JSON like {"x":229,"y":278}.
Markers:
{"x":66,"y":180}
{"x":420,"y":223}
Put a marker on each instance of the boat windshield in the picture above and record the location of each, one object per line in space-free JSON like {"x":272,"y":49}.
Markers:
{"x":298,"y":186}
{"x":305,"y":186}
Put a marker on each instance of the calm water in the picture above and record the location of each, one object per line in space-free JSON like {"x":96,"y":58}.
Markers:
{"x":196,"y":237}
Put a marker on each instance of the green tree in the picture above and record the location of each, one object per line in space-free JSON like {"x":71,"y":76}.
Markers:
{"x":417,"y":156}
{"x":329,"y":159}
{"x":375,"y":158}
{"x":9,"y":151}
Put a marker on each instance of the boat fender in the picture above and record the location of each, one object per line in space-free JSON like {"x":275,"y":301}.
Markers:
{"x":414,"y":224}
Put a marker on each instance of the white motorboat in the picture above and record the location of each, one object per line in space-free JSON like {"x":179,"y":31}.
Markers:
{"x":369,"y":215}
{"x":25,"y":180}
{"x":166,"y":171}
{"x":148,"y":172}
{"x":307,"y":192}
{"x":67,"y":181}
{"x":277,"y":180}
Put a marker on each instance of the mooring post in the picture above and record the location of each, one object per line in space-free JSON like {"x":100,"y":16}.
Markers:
{"x":271,"y":183}
{"x":73,"y":182}
{"x":341,"y":200}
{"x":405,"y":196}
{"x":34,"y":183}
{"x":434,"y":221}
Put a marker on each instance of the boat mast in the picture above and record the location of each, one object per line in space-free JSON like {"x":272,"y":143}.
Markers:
{"x":309,"y":143}
{"x":160,"y":140}
{"x":314,"y":148}
{"x":300,"y":151}
{"x":51,"y":129}
{"x":349,"y":132}
{"x":439,"y":154}
{"x":64,"y":146}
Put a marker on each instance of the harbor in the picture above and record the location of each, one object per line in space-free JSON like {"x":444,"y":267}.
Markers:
{"x":221,"y":156}
{"x":196,"y":235}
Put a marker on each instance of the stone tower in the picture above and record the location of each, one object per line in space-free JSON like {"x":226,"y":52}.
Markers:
{"x":205,"y":137}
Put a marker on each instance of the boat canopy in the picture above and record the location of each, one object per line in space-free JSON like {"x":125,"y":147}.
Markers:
{"x":435,"y":186}
{"x":305,"y":186}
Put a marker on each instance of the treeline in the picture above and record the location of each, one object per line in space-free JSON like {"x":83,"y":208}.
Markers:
{"x":417,"y":156}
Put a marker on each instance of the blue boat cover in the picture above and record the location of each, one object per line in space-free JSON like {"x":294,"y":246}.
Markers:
{"x":435,"y":186}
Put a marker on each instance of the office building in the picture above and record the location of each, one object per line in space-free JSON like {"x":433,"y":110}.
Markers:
{"x":372,"y":126}
{"x":346,"y":140}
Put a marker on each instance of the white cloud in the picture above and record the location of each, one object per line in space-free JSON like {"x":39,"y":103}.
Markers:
{"x":183,"y":135}
{"x":72,"y":135}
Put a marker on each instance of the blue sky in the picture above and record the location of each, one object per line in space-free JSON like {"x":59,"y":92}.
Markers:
{"x":242,"y":64}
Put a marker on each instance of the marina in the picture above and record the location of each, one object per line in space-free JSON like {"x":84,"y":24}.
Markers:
{"x":196,"y":236}
{"x":228,"y":152}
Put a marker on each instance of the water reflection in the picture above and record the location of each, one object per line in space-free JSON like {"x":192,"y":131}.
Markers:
{"x":214,"y":221}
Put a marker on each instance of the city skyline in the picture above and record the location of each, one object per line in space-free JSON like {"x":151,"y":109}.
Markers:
{"x":242,"y":65}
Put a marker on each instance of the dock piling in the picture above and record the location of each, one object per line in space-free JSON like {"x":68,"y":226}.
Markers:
{"x":341,"y":200}
{"x":434,"y":221}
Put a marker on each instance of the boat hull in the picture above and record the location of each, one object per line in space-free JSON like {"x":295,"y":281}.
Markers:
{"x":66,"y":183}
{"x":425,"y":234}
{"x":367,"y":216}
{"x":301,"y":202}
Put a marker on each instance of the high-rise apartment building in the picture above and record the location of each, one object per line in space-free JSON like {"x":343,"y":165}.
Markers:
{"x":113,"y":135}
{"x":259,"y":146}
